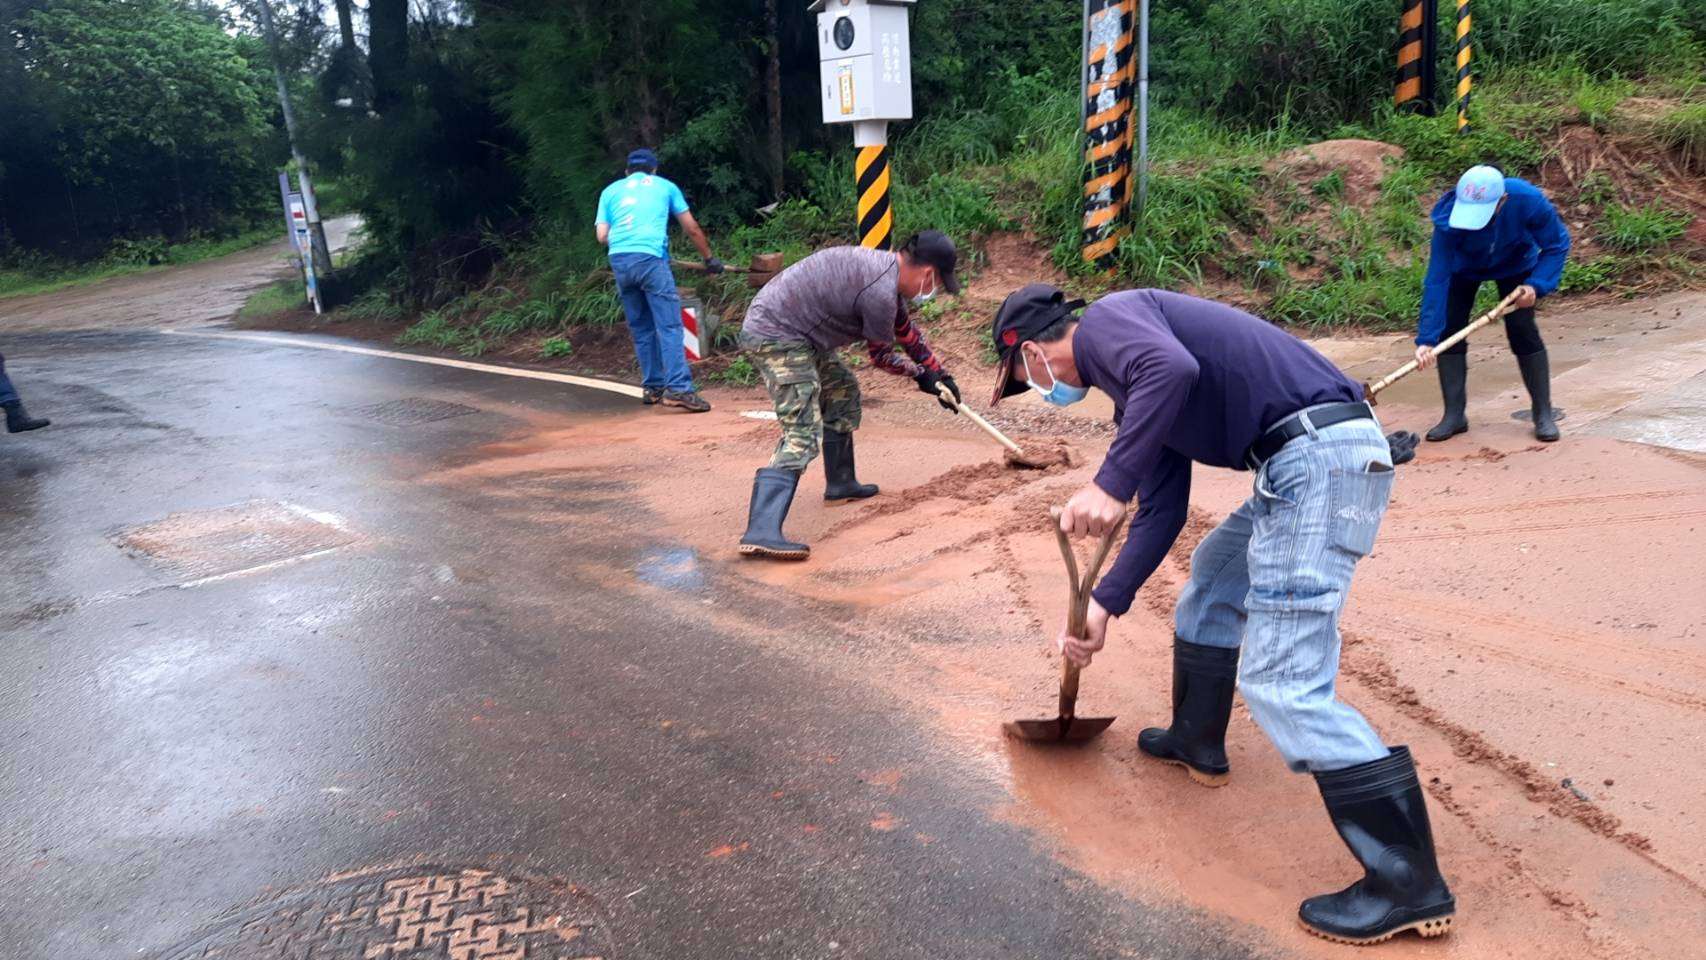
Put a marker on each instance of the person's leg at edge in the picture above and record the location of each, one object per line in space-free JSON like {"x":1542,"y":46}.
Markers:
{"x":1208,"y":626}
{"x":1320,"y":502}
{"x":1454,"y":363}
{"x":636,"y":309}
{"x":17,"y":419}
{"x":664,"y":304}
{"x":790,"y":377}
{"x":1523,"y":334}
{"x":838,"y":398}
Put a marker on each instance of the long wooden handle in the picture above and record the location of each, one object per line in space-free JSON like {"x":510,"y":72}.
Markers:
{"x":1078,"y":603}
{"x":1490,"y":316}
{"x":1068,"y":690}
{"x":1078,"y":608}
{"x":989,"y":428}
{"x":697,"y":267}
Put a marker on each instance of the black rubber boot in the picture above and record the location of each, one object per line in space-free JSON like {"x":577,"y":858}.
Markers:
{"x":840,"y":482}
{"x":1379,"y":812}
{"x":1537,"y":377}
{"x":772,"y":494}
{"x":1454,"y":387}
{"x":1203,"y":681}
{"x":17,"y":420}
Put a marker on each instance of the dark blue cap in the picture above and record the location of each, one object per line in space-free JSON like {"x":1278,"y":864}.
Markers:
{"x":643,"y":158}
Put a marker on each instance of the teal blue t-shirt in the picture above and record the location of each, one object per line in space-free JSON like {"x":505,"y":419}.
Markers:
{"x":638,"y":209}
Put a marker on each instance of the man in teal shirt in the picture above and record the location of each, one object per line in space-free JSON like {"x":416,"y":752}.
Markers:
{"x":633,"y":221}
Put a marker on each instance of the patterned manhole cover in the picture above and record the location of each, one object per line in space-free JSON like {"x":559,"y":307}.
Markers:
{"x":410,"y":411}
{"x":206,"y":543}
{"x":413,"y":914}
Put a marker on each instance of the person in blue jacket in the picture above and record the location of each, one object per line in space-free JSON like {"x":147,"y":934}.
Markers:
{"x":1503,"y":229}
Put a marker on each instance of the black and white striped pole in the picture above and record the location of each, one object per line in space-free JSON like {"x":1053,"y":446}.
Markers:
{"x":864,"y":52}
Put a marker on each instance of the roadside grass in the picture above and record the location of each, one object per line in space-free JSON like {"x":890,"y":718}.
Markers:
{"x":1684,"y":131}
{"x":281,"y":296}
{"x":127,"y":256}
{"x":1642,"y":229}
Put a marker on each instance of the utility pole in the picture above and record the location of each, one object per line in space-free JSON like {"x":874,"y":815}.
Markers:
{"x":316,"y":229}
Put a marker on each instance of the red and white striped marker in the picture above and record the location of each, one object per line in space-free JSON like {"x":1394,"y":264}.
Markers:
{"x":690,"y":341}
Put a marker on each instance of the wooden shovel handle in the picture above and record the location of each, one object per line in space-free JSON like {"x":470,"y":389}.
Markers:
{"x":989,"y":428}
{"x":1371,"y":389}
{"x":1078,"y":601}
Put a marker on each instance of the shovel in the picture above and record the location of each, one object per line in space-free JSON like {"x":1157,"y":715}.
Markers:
{"x":1372,"y":390}
{"x":1015,"y":454}
{"x":1069,"y":727}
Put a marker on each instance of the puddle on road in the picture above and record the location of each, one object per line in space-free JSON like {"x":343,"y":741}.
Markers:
{"x":671,"y":568}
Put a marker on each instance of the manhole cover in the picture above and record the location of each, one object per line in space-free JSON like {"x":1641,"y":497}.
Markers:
{"x":410,"y":411}
{"x":1526,"y":414}
{"x":206,"y":543}
{"x":413,"y":914}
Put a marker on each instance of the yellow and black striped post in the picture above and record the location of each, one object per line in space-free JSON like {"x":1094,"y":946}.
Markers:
{"x":1463,"y":77}
{"x":876,"y":218}
{"x":1417,"y":30}
{"x":1108,"y":85}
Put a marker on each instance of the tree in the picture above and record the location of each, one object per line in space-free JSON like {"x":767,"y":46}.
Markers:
{"x":141,"y":116}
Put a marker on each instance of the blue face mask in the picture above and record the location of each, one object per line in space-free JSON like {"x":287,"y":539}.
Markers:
{"x":1061,"y":394}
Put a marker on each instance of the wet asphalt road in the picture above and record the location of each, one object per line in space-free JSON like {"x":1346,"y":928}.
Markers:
{"x":444,"y":680}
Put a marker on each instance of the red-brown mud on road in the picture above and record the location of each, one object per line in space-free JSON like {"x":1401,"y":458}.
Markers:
{"x":1532,"y":624}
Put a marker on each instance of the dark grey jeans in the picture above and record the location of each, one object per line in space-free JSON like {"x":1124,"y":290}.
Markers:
{"x":7,"y":393}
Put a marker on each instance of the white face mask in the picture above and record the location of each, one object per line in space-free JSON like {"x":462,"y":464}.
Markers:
{"x":920,"y":299}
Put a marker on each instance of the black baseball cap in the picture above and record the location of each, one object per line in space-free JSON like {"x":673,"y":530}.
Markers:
{"x":1026,"y":312}
{"x":933,"y":247}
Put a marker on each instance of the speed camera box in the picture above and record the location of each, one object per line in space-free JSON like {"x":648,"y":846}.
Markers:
{"x":865,"y":55}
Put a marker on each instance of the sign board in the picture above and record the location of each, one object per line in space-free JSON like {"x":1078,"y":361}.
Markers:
{"x":864,"y":51}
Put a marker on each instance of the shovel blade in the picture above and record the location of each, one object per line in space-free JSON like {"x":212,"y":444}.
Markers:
{"x":1058,"y":729}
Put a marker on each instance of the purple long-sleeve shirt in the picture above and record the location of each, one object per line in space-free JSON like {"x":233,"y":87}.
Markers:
{"x":1192,"y":381}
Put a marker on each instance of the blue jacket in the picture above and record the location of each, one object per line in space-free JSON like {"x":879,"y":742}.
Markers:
{"x":1525,"y":239}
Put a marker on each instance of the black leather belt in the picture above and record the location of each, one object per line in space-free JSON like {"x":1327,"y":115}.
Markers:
{"x":1289,"y":429}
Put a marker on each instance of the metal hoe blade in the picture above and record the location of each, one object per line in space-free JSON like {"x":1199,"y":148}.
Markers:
{"x":1058,"y":730}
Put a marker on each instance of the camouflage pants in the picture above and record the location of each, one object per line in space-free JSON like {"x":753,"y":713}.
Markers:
{"x":812,"y":391}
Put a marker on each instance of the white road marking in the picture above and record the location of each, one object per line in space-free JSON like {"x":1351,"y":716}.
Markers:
{"x":589,"y":382}
{"x":259,"y":568}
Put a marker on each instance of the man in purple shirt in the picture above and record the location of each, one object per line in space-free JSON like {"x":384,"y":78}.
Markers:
{"x":1199,"y":382}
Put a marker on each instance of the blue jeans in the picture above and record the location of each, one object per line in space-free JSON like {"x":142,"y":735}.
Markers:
{"x":7,"y":393}
{"x":1274,"y":577}
{"x":653,"y":309}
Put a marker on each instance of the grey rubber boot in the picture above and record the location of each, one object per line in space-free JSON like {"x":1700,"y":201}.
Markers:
{"x":1537,"y":377}
{"x":772,"y":495}
{"x":18,"y":420}
{"x":1454,"y":387}
{"x":840,"y":479}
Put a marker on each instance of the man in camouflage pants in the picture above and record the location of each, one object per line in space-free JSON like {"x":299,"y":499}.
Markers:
{"x":831,"y":299}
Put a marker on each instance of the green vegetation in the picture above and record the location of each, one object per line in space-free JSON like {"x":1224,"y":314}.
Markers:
{"x":129,"y":126}
{"x":555,"y":348}
{"x":25,"y":273}
{"x":272,"y":300}
{"x":1642,"y":229}
{"x":474,"y":136}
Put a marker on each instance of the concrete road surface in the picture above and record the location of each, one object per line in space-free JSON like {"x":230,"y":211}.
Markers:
{"x":270,"y":691}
